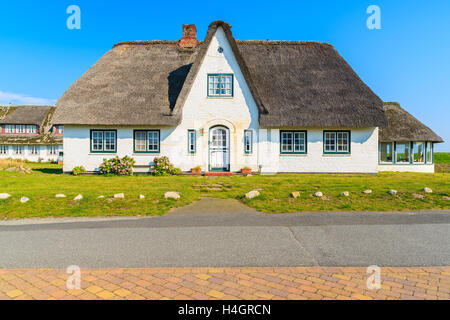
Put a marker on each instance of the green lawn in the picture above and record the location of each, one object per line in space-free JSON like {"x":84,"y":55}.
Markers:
{"x":442,"y":162}
{"x":47,"y":180}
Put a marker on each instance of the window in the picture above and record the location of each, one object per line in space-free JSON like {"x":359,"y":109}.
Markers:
{"x":337,"y":142}
{"x":146,"y":141}
{"x":20,"y":128}
{"x":248,"y":141}
{"x":419,"y":152}
{"x":220,"y":85}
{"x":52,"y":150}
{"x":191,"y":142}
{"x":4,"y":150}
{"x":103,"y":141}
{"x":429,"y":152}
{"x":402,"y":151}
{"x":293,"y":142}
{"x":18,"y":150}
{"x":386,"y":152}
{"x":31,"y":129}
{"x":10,"y":128}
{"x":34,"y":150}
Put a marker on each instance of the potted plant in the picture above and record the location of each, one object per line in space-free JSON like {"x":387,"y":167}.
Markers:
{"x":196,"y":169}
{"x":246,"y":170}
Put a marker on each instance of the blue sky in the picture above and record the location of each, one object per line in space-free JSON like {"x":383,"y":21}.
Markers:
{"x":408,"y":60}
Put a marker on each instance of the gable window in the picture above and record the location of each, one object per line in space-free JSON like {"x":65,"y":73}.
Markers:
{"x":4,"y":150}
{"x":248,"y":141}
{"x":386,"y":152}
{"x":402,"y":152}
{"x":419,"y":152}
{"x":34,"y":150}
{"x":18,"y":150}
{"x":191,"y":142}
{"x":220,"y":85}
{"x":9,"y":128}
{"x":31,"y":129}
{"x":146,"y":141}
{"x":430,"y":152}
{"x":292,"y":142}
{"x":103,"y":141}
{"x":336,"y":142}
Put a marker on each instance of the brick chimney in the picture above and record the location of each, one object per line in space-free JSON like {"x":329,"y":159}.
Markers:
{"x":189,"y":39}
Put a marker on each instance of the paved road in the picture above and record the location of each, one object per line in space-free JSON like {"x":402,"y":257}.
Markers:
{"x":226,"y":233}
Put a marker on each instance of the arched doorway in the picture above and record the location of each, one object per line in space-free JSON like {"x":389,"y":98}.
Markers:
{"x":219,"y":149}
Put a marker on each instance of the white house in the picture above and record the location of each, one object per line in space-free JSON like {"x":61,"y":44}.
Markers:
{"x":223,"y":104}
{"x":27,"y":133}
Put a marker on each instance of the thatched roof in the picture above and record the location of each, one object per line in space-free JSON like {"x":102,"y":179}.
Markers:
{"x":37,"y":115}
{"x":404,"y":127}
{"x":294,"y":83}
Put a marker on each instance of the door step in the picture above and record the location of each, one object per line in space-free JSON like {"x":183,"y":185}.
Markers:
{"x":218,"y":174}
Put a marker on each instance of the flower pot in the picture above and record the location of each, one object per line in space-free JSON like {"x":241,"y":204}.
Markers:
{"x":196,"y":170}
{"x":246,"y":171}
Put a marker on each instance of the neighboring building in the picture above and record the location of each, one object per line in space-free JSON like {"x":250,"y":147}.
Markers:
{"x":223,"y":104}
{"x":27,"y":132}
{"x":406,"y":144}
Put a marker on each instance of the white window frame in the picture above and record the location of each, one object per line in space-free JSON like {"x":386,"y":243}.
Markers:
{"x":423,"y":152}
{"x":18,"y":150}
{"x":34,"y":150}
{"x":31,"y":129}
{"x":152,"y":141}
{"x":21,"y":128}
{"x":248,"y":142}
{"x":4,"y":149}
{"x":220,"y":85}
{"x":52,"y":150}
{"x":429,"y":150}
{"x":103,"y":141}
{"x":392,"y":152}
{"x":192,"y":141}
{"x":408,"y":145}
{"x":332,"y":142}
{"x":293,"y":142}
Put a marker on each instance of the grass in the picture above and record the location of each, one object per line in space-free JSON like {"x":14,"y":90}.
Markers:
{"x":47,"y":180}
{"x":442,"y":162}
{"x":8,"y":163}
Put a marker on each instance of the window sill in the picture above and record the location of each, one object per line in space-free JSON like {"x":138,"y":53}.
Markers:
{"x":137,"y":154}
{"x":293,"y":154}
{"x":336,"y":155}
{"x":219,"y":97}
{"x":102,"y":153}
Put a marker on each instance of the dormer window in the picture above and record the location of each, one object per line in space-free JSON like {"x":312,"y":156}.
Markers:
{"x":220,"y":85}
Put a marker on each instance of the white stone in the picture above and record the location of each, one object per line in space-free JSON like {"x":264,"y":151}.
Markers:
{"x":24,"y":199}
{"x":4,"y":195}
{"x":60,"y":195}
{"x":78,"y":197}
{"x":318,"y":194}
{"x":345,"y":194}
{"x":119,"y":196}
{"x":392,"y":192}
{"x":252,"y":194}
{"x":172,"y":195}
{"x":141,"y":196}
{"x":427,"y":190}
{"x":368,"y":191}
{"x":100,"y":197}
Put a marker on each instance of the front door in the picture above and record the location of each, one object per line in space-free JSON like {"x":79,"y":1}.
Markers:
{"x":219,"y":149}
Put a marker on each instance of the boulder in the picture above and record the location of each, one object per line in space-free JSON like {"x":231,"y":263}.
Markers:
{"x":368,"y":191}
{"x":11,"y":169}
{"x":295,"y":194}
{"x":318,"y":194}
{"x":252,"y":194}
{"x":24,"y":199}
{"x":60,"y":195}
{"x":446,"y":197}
{"x":4,"y":195}
{"x":418,"y":196}
{"x":141,"y":196}
{"x":172,"y":195}
{"x":119,"y":196}
{"x":100,"y":197}
{"x":78,"y":197}
{"x":345,"y":194}
{"x":427,"y":190}
{"x":392,"y":192}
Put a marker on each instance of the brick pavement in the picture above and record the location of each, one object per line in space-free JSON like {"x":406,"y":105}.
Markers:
{"x":227,"y":283}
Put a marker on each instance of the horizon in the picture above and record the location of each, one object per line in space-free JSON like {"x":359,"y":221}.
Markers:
{"x":406,"y":61}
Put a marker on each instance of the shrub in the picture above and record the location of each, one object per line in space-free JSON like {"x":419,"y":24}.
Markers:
{"x":119,"y":166}
{"x":78,"y":170}
{"x":162,"y":166}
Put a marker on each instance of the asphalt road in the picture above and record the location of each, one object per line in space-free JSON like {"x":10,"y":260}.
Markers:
{"x":226,"y":233}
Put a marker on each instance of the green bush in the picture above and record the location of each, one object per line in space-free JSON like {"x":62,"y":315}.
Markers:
{"x":162,"y":166}
{"x":118,"y":166}
{"x":78,"y":170}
